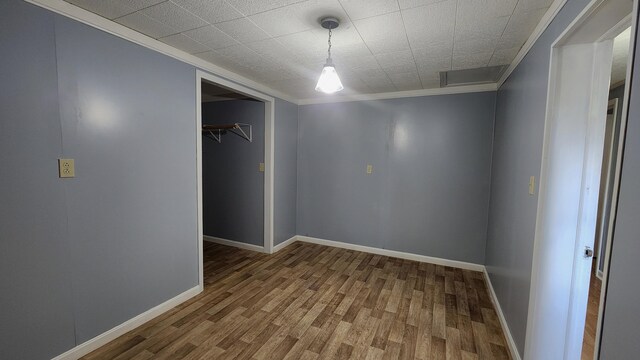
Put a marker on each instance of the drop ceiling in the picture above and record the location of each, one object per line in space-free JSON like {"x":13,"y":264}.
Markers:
{"x":381,"y":45}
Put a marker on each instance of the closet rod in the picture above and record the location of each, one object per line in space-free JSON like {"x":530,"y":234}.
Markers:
{"x":215,"y":132}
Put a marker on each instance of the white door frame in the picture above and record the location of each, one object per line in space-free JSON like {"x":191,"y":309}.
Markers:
{"x":269,"y":125}
{"x":569,"y":179}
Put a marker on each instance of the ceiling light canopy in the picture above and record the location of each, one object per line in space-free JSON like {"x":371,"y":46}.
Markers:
{"x":329,"y":81}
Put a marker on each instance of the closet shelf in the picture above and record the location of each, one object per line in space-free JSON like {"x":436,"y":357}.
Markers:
{"x":215,"y":132}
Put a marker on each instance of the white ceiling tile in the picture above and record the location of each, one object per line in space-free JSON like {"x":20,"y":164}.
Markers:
{"x":469,"y":9}
{"x":436,"y":58}
{"x":272,"y":50}
{"x":430,"y":24}
{"x":184,"y":43}
{"x":388,"y":60}
{"x":360,"y":9}
{"x":215,"y":58}
{"x":146,"y":25}
{"x":480,"y":28}
{"x":305,"y":44}
{"x":519,"y":28}
{"x":108,"y":9}
{"x":211,"y":36}
{"x":471,"y":61}
{"x":299,"y":17}
{"x":525,"y":5}
{"x":367,"y":62}
{"x":352,"y":50}
{"x":243,"y":30}
{"x":503,"y":56}
{"x":173,"y":15}
{"x":212,"y":11}
{"x":467,"y":47}
{"x":408,"y":4}
{"x":406,"y":81}
{"x":384,"y":33}
{"x":140,"y":4}
{"x":250,"y":7}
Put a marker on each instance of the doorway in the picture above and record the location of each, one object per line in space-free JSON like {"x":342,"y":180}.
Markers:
{"x":224,"y":124}
{"x":607,"y":179}
{"x":572,"y":159}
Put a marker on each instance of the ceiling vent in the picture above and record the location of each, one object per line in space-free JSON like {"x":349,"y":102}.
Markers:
{"x":483,"y":75}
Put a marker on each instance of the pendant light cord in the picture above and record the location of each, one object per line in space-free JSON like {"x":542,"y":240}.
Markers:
{"x":329,"y":50}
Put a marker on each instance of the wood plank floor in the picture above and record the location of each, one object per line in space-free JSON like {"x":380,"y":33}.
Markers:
{"x":316,"y":302}
{"x":591,"y":320}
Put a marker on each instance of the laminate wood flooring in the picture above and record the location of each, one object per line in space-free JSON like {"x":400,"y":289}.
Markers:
{"x":316,"y":302}
{"x":591,"y":320}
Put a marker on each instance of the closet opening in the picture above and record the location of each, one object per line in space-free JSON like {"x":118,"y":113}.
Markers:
{"x":235,"y":169}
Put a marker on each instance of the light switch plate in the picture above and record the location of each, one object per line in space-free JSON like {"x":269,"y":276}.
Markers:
{"x":369,"y":169}
{"x":66,"y":168}
{"x":532,"y":185}
{"x":261,"y":167}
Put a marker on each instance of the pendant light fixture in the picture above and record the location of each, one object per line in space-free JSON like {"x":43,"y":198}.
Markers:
{"x":329,"y":81}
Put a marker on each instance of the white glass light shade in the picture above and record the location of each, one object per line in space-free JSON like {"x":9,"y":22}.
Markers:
{"x":329,"y":82}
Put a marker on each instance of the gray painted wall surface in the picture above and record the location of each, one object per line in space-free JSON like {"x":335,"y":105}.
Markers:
{"x":517,"y":154}
{"x":232,"y":185}
{"x":285,"y":177}
{"x":128,"y":119}
{"x":621,"y":318}
{"x":429,"y":190}
{"x":35,"y":291}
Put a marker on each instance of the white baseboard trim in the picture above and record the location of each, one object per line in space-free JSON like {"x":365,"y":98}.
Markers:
{"x":285,"y":243}
{"x":104,"y":338}
{"x":233,"y":243}
{"x":513,"y":349}
{"x":393,"y":253}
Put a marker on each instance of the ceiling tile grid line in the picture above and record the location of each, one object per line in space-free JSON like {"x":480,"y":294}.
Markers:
{"x":415,"y":63}
{"x":503,"y":30}
{"x":381,"y":45}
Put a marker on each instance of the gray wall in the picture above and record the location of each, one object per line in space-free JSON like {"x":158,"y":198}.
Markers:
{"x":127,"y":117}
{"x":80,"y":256}
{"x":517,"y":154}
{"x":285,"y":177}
{"x":429,"y":190}
{"x":621,"y":318}
{"x":232,"y":185}
{"x":35,"y":292}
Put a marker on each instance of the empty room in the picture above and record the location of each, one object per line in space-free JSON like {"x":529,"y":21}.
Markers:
{"x":319,"y":179}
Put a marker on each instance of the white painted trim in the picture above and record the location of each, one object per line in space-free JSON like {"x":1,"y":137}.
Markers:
{"x":515,"y":355}
{"x":285,"y":243}
{"x":269,"y":150}
{"x":400,"y":94}
{"x":544,"y":23}
{"x":110,"y":335}
{"x":199,"y":220}
{"x":541,"y":207}
{"x":76,"y":13}
{"x":631,"y":65}
{"x":393,"y":253}
{"x":233,"y":243}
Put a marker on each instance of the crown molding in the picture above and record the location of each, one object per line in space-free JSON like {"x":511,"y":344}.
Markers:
{"x":400,"y":94}
{"x":544,"y":23}
{"x":76,"y":13}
